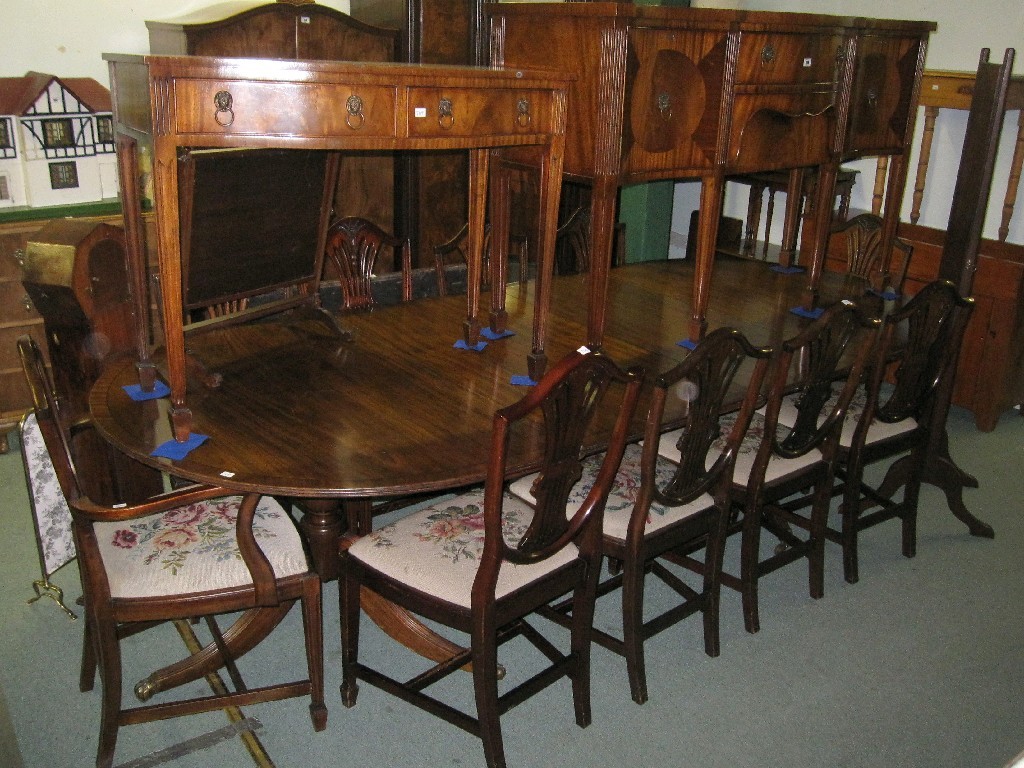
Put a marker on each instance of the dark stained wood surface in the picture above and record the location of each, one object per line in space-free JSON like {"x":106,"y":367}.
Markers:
{"x":397,"y":409}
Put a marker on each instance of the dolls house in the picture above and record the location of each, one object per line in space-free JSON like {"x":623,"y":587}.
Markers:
{"x":56,"y":141}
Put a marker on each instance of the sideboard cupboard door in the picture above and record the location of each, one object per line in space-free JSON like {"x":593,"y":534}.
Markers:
{"x":673,"y":98}
{"x":881,"y":98}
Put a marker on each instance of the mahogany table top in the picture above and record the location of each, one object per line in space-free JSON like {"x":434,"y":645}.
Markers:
{"x":398,"y":410}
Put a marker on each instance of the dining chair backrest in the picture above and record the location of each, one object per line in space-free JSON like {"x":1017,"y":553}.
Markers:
{"x":865,"y":257}
{"x":705,"y":382}
{"x":354,"y":247}
{"x":924,"y":338}
{"x":567,"y":400}
{"x":832,"y":351}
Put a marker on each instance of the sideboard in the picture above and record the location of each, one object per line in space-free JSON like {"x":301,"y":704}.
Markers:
{"x":672,"y":93}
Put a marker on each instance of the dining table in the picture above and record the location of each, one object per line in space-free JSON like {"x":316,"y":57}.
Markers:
{"x":392,"y":407}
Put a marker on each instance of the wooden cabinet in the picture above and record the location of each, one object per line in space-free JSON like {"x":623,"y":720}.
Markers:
{"x":18,"y":316}
{"x":432,"y":32}
{"x":990,"y":373}
{"x":18,"y":313}
{"x":671,"y":93}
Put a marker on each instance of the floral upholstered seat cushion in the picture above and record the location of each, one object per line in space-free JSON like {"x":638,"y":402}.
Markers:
{"x":877,"y":431}
{"x":623,"y":494}
{"x":194,"y":549}
{"x":437,"y":549}
{"x":777,"y":466}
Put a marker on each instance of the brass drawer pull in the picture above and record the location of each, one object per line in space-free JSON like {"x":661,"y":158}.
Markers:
{"x":354,"y":117}
{"x":445,"y":114}
{"x":19,"y":256}
{"x":523,"y":117}
{"x":768,"y":55}
{"x":222,"y":102}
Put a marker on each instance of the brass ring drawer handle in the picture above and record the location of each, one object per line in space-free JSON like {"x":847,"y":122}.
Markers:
{"x":224,"y":115}
{"x":523,"y":117}
{"x":446,"y":114}
{"x":354,"y":117}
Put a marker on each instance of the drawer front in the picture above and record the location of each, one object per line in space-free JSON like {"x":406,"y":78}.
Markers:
{"x":446,"y":112}
{"x":12,"y":247}
{"x":15,"y":306}
{"x":15,"y":396}
{"x":9,"y":359}
{"x":283,"y":109}
{"x":780,"y":131}
{"x":778,"y":58}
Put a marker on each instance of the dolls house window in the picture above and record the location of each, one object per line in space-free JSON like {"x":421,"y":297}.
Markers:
{"x":57,"y":134}
{"x":63,"y":175}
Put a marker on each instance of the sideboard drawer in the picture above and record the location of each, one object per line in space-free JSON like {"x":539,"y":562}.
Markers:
{"x":781,"y":58}
{"x":469,"y":112}
{"x":283,"y":109}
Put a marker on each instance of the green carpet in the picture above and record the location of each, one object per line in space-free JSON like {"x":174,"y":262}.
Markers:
{"x":920,"y":664}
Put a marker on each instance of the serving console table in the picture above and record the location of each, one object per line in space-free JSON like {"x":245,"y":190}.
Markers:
{"x":672,"y":93}
{"x":176,"y":104}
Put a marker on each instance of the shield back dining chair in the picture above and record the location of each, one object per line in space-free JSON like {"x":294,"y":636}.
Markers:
{"x":659,"y":507}
{"x":196,"y":551}
{"x":483,"y":562}
{"x":354,"y":246}
{"x":777,"y":463}
{"x":884,"y":274}
{"x":896,"y":416}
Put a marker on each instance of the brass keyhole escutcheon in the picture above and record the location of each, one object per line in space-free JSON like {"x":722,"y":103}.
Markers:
{"x":665,"y":105}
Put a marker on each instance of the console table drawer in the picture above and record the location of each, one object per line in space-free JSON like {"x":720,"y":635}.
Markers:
{"x":283,"y":109}
{"x":469,"y":112}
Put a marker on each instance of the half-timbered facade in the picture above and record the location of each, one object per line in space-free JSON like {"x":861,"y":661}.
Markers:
{"x":56,"y":141}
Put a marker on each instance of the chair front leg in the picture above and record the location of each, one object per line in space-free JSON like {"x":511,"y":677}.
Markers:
{"x":485,"y":685}
{"x":350,"y":610}
{"x":632,"y":627}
